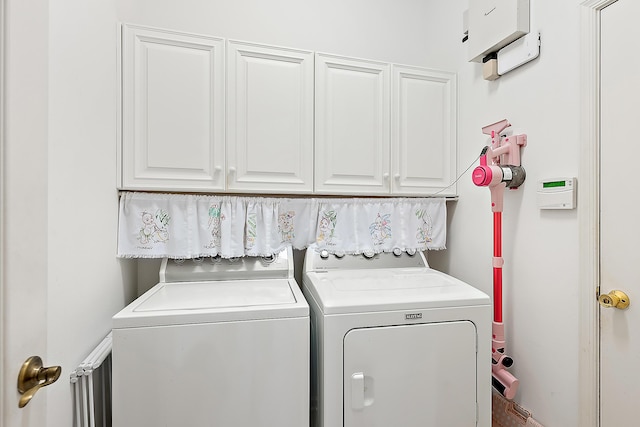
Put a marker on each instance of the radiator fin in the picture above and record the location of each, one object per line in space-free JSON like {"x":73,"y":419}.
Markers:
{"x":91,"y":384}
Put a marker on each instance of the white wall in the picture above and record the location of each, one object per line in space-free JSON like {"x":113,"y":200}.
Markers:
{"x":402,"y":31}
{"x":541,"y":99}
{"x":412,"y":32}
{"x":74,"y":138}
{"x":540,"y":248}
{"x":62,"y":133}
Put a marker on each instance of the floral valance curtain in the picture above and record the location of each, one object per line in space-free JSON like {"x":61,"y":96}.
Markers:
{"x":153,"y":225}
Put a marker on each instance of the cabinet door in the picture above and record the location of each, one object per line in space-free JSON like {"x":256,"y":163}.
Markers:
{"x":352,"y":126}
{"x":172,"y":111}
{"x":270,"y":119}
{"x":411,"y":376}
{"x":423,"y":131}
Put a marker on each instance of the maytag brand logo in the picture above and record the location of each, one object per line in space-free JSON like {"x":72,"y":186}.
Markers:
{"x":413,"y":316}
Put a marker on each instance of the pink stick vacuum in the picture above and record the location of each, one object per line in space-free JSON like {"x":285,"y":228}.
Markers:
{"x":500,"y":168}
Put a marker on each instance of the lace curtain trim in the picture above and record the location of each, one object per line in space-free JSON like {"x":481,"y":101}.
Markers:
{"x":153,"y":225}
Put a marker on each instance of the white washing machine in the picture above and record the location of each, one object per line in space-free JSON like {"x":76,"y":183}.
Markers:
{"x":396,"y":343}
{"x":215,"y":343}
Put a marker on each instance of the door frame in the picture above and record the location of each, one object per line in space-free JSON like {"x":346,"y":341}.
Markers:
{"x":3,"y":29}
{"x":589,"y":211}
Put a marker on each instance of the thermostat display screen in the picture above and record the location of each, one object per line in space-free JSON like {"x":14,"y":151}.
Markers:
{"x":553,"y":184}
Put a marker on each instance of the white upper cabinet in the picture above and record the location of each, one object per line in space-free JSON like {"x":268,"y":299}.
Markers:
{"x":384,"y":130}
{"x":269,"y":119}
{"x":352,"y":126}
{"x":201,"y":114}
{"x":423,"y":136}
{"x":172,"y":111}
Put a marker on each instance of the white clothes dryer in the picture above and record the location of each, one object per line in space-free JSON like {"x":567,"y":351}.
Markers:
{"x":215,"y":343}
{"x":396,"y":343}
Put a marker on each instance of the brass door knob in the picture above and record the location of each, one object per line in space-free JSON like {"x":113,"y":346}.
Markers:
{"x":615,"y":299}
{"x":33,"y":376}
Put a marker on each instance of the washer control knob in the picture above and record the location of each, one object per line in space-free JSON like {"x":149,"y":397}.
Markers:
{"x":266,"y":260}
{"x":369,"y":254}
{"x":324,"y":254}
{"x":339,"y":255}
{"x":397,"y":251}
{"x":411,"y":252}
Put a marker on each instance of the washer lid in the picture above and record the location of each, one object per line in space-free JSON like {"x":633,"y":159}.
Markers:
{"x":357,"y":291}
{"x":218,"y":301}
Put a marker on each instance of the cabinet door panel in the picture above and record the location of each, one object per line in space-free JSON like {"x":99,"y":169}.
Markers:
{"x":352,"y":126}
{"x":423,"y":131}
{"x":270,"y":119}
{"x":172,"y":110}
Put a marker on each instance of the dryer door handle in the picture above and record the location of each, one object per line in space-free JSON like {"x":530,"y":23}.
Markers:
{"x":357,"y":391}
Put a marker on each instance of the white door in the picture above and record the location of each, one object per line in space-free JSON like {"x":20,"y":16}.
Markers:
{"x":411,"y":376}
{"x":59,"y":280}
{"x":619,"y":224}
{"x":270,"y":119}
{"x":23,"y":293}
{"x":352,"y":126}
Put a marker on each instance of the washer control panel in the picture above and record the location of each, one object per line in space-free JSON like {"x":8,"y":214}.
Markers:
{"x":279,"y":265}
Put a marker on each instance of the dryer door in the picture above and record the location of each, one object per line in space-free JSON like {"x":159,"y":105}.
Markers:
{"x":411,"y":376}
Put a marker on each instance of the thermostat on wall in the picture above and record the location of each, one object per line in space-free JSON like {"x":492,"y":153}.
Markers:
{"x":557,"y":193}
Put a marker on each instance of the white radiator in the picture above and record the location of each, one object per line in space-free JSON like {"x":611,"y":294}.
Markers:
{"x":91,"y":383}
